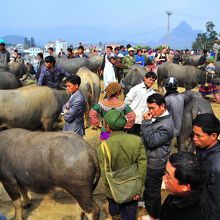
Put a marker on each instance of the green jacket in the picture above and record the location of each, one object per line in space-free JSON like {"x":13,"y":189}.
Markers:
{"x":125,"y":149}
{"x":128,"y":62}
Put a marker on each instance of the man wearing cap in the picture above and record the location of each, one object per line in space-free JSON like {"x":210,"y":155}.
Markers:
{"x":128,"y":60}
{"x":125,"y":150}
{"x":4,"y":56}
{"x":113,"y":91}
{"x":137,"y":99}
{"x":109,"y":72}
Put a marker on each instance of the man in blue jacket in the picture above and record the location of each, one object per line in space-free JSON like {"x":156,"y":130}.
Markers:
{"x":74,"y":109}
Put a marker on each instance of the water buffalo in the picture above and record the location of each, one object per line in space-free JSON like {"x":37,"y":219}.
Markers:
{"x":9,"y":81}
{"x":90,"y":87}
{"x":21,"y":70}
{"x":42,"y":161}
{"x":31,"y":107}
{"x":186,"y":75}
{"x":97,"y":62}
{"x":197,"y":105}
{"x":72,"y":65}
{"x":134,"y":76}
{"x":189,"y":59}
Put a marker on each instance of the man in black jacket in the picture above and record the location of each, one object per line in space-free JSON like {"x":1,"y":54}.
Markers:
{"x":206,"y":129}
{"x":185,"y":180}
{"x":157,"y":133}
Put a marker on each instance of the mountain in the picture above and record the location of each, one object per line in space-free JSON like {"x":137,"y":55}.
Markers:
{"x":13,"y":39}
{"x":181,"y":37}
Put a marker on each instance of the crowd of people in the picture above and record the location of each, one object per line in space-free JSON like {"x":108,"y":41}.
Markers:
{"x":139,"y":131}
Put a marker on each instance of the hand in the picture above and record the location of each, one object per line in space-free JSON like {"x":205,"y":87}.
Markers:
{"x":136,"y":197}
{"x":147,"y":116}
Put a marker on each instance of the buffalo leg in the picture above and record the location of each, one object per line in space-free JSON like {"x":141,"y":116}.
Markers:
{"x":84,"y":198}
{"x":13,"y":192}
{"x":47,"y":124}
{"x":26,"y":201}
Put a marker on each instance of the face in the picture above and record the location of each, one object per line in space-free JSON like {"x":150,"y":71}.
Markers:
{"x":48,"y":65}
{"x":71,"y":88}
{"x":2,"y":46}
{"x":140,"y":53}
{"x":131,"y":52}
{"x":203,"y":140}
{"x":171,"y":183}
{"x":108,"y":50}
{"x":80,"y":51}
{"x":156,"y":110}
{"x":149,"y":81}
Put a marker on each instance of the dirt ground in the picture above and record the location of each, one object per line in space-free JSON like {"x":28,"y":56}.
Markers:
{"x":62,"y":206}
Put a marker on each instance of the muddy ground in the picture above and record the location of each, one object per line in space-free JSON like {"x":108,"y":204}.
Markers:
{"x":61,"y":206}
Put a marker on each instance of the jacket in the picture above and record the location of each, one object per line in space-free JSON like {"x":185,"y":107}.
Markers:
{"x":74,"y":117}
{"x":4,"y":59}
{"x":157,"y":138}
{"x":211,"y":162}
{"x":175,"y":104}
{"x":128,"y":62}
{"x":52,"y":77}
{"x":184,"y":207}
{"x":125,"y":149}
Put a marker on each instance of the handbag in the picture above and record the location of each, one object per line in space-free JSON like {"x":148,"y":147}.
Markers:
{"x":124,"y":183}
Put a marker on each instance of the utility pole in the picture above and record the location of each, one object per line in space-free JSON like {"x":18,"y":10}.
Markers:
{"x":169,"y":13}
{"x":168,"y":37}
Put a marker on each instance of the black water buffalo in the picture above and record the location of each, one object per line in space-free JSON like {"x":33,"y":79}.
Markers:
{"x":134,"y":76}
{"x":9,"y":81}
{"x":73,"y":65}
{"x":189,"y":59}
{"x":186,"y":75}
{"x":197,"y":105}
{"x":31,"y":107}
{"x":42,"y":161}
{"x":90,"y":87}
{"x":97,"y":63}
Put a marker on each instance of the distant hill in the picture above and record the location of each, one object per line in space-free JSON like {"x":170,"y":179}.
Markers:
{"x":181,"y":37}
{"x":13,"y":39}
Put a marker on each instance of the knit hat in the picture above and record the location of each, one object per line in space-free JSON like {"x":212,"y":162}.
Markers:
{"x":112,"y":89}
{"x":115,"y":119}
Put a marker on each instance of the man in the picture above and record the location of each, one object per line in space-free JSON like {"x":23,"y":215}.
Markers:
{"x":109,"y":50}
{"x":81,"y":52}
{"x":216,"y":48}
{"x":185,"y":180}
{"x":69,"y":53}
{"x":137,"y":98}
{"x":157,"y":133}
{"x":52,"y":75}
{"x":109,"y":71}
{"x":40,"y":63}
{"x":51,"y":51}
{"x":203,"y":58}
{"x":74,"y":109}
{"x":162,"y":57}
{"x":125,"y":150}
{"x":206,"y":129}
{"x":128,"y":60}
{"x":175,"y":102}
{"x":4,"y":56}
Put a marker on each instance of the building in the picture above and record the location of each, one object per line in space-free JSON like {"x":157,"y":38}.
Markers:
{"x":60,"y":44}
{"x":33,"y":51}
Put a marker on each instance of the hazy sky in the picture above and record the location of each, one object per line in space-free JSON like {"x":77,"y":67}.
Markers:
{"x":118,"y":13}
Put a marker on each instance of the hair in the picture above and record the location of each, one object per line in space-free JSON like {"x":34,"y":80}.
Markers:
{"x":188,"y":170}
{"x":128,"y":46}
{"x":109,"y":47}
{"x":122,"y":46}
{"x":117,"y":48}
{"x":151,"y":75}
{"x":40,"y":55}
{"x":156,"y":98}
{"x":50,"y":48}
{"x":139,"y":49}
{"x":19,"y":54}
{"x":15,"y":50}
{"x":74,"y":79}
{"x":50,"y":59}
{"x":208,"y":123}
{"x":70,"y":50}
{"x":205,"y":51}
{"x":81,"y":47}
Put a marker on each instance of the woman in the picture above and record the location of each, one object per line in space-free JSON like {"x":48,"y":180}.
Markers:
{"x":209,"y":88}
{"x":111,"y":100}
